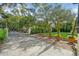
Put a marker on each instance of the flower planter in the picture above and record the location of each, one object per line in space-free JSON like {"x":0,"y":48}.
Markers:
{"x":72,"y":40}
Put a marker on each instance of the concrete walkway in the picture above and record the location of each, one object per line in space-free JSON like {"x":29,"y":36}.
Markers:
{"x":20,"y":44}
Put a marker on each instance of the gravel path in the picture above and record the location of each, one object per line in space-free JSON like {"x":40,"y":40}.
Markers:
{"x":20,"y":44}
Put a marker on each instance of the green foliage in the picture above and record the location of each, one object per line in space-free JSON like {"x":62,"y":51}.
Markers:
{"x":16,"y":23}
{"x":62,"y":19}
{"x":2,"y":23}
{"x":36,"y":30}
{"x":23,"y":22}
{"x":13,"y":23}
{"x":66,"y":27}
{"x":2,"y":35}
{"x":63,"y":34}
{"x":26,"y":21}
{"x":23,"y":17}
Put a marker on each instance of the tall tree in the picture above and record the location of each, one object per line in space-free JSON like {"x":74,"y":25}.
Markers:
{"x":43,"y":12}
{"x":61,"y":16}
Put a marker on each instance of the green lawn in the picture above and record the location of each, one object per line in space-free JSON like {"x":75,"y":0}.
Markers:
{"x":63,"y":34}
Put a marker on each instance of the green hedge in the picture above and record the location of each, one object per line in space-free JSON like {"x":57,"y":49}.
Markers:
{"x":36,"y":30}
{"x":2,"y":34}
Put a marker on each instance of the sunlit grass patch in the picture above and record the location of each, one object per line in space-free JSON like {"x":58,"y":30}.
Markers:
{"x":63,"y":34}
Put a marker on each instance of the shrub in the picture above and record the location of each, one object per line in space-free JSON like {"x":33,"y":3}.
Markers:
{"x":35,"y":30}
{"x":2,"y":35}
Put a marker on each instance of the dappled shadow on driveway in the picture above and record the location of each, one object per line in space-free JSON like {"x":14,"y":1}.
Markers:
{"x":23,"y":44}
{"x":21,"y":41}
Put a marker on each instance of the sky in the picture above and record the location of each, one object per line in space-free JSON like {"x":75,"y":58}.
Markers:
{"x":71,"y":6}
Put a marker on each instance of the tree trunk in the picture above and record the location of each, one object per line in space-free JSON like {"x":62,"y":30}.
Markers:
{"x":6,"y":32}
{"x":49,"y":31}
{"x":58,"y":28}
{"x":6,"y":28}
{"x":29,"y":30}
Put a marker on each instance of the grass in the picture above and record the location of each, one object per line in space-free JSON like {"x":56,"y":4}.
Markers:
{"x":63,"y":34}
